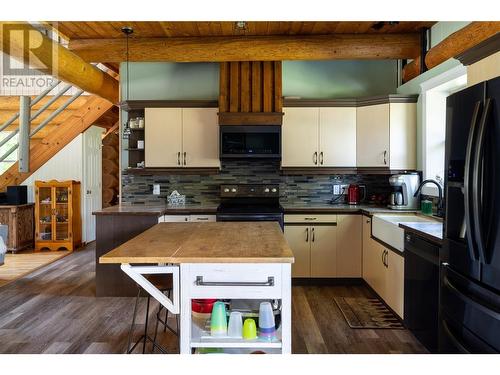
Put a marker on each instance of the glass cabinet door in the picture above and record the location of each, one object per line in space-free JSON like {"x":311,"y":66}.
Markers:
{"x":62,"y":213}
{"x":45,"y":210}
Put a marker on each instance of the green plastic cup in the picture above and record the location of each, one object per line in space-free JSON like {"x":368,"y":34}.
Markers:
{"x":218,"y":321}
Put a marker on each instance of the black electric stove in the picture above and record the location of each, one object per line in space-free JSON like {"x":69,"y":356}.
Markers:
{"x":250,"y":202}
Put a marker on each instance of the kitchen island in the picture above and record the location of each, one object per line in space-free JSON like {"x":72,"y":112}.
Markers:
{"x":223,"y":260}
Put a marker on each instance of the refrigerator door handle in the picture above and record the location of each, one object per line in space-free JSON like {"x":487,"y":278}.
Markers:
{"x":477,"y":183}
{"x":468,"y":182}
{"x":462,"y":349}
{"x":469,"y":301}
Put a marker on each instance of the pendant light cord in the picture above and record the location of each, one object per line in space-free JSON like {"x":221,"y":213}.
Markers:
{"x":128,"y":76}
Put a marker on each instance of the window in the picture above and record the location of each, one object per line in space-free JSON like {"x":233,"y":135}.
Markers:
{"x":434,"y":94}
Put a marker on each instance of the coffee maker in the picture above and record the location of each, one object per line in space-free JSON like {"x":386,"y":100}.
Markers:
{"x":404,"y":187}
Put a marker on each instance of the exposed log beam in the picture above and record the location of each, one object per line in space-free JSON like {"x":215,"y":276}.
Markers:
{"x":460,"y":41}
{"x":66,"y":65}
{"x":245,"y":48}
{"x":411,"y":70}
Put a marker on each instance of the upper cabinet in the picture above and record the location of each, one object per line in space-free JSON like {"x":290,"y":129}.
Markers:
{"x":387,"y":135}
{"x":319,"y":137}
{"x":374,"y":132}
{"x":181,"y":138}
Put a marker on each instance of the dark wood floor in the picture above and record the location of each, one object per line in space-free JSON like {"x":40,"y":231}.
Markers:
{"x":54,"y":310}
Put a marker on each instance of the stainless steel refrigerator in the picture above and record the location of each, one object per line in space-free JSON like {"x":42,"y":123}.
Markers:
{"x":470,"y":260}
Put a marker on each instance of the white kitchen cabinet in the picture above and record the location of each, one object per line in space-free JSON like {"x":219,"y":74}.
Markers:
{"x":173,"y":218}
{"x":386,"y":135}
{"x":337,"y":137}
{"x":200,"y":143}
{"x":349,"y":245}
{"x":298,"y":239}
{"x":163,"y":137}
{"x":323,"y":250}
{"x":383,"y":270}
{"x":202,"y":218}
{"x":312,"y":239}
{"x":395,"y":282}
{"x":181,"y":138}
{"x":319,"y":137}
{"x":300,"y":132}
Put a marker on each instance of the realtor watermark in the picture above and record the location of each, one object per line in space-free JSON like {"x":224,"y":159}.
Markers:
{"x":27,"y":60}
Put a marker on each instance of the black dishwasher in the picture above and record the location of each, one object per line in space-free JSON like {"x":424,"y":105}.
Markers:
{"x":421,"y":294}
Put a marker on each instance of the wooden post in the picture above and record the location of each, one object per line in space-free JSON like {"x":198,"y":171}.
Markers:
{"x":60,"y":62}
{"x":24,"y":133}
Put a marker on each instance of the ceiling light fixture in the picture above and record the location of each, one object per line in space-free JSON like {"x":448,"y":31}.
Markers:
{"x":127,"y":30}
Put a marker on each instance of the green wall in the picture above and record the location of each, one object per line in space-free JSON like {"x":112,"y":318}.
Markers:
{"x":339,"y":78}
{"x":170,"y":81}
{"x":307,"y":79}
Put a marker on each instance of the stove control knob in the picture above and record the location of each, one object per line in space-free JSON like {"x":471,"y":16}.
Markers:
{"x":226,"y":190}
{"x":233,"y":190}
{"x":266,"y":190}
{"x":274,"y":190}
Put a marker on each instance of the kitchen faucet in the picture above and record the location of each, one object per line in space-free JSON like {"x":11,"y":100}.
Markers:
{"x":440,"y":193}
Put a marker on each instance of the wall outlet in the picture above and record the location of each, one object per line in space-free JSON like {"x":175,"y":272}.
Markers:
{"x":344,"y":188}
{"x":156,"y":189}
{"x":336,"y":189}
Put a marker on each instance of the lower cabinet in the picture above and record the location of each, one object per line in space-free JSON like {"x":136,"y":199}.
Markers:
{"x":331,"y":247}
{"x":185,"y":218}
{"x":383,"y":270}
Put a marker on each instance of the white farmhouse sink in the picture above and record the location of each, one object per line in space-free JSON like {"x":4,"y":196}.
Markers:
{"x":386,"y":228}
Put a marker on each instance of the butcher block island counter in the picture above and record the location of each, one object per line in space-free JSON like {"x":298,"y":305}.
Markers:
{"x":220,"y":260}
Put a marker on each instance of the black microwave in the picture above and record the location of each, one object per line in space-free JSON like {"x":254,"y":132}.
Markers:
{"x":250,"y":141}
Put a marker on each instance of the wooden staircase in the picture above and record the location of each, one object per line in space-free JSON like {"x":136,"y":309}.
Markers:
{"x":92,"y":110}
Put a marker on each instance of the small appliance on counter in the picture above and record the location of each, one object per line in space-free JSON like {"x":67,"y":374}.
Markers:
{"x":353,"y":194}
{"x":404,"y":187}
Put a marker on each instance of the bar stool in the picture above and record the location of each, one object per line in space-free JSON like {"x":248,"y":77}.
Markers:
{"x":164,"y":283}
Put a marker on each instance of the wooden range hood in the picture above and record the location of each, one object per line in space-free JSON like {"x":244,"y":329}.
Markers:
{"x":250,"y":93}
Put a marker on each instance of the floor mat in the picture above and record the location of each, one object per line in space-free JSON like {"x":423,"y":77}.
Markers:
{"x":367,"y":313}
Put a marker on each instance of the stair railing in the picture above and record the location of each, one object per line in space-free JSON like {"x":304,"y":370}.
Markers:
{"x":26,"y":117}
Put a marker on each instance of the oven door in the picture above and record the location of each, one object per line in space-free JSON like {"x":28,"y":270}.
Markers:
{"x":252,"y":217}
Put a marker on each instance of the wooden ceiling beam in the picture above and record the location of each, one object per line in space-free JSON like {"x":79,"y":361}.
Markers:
{"x":251,"y":48}
{"x":452,"y":46}
{"x":67,"y":66}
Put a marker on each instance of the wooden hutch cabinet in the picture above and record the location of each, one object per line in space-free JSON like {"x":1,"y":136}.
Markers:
{"x":58,"y":222}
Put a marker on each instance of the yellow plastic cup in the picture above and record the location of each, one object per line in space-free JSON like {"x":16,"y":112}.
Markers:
{"x":249,"y":329}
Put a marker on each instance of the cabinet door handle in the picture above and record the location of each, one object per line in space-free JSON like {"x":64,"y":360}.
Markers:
{"x":312,"y":235}
{"x":199,"y":282}
{"x":202,"y":218}
{"x":307,"y":234}
{"x":383,"y":255}
{"x":385,"y":157}
{"x":368,"y":221}
{"x":184,"y":158}
{"x":315,"y":158}
{"x":321,"y":157}
{"x":309,"y":218}
{"x":179,"y":158}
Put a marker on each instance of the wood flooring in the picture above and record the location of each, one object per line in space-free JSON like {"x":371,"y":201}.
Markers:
{"x":22,"y":263}
{"x":54,"y":310}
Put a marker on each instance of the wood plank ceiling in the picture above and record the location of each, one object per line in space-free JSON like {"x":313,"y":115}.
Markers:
{"x":153,"y":29}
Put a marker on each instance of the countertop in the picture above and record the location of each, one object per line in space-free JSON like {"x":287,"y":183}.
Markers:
{"x":367,"y":209}
{"x":431,"y":231}
{"x":290,"y":208}
{"x":215,"y":242}
{"x":157,"y":210}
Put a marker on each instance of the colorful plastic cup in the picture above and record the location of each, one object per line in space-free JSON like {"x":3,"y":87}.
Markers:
{"x":267,"y":328}
{"x":249,"y":329}
{"x":235,"y":326}
{"x":218,"y":321}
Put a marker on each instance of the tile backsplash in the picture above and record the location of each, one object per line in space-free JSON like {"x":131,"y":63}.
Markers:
{"x":138,"y":189}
